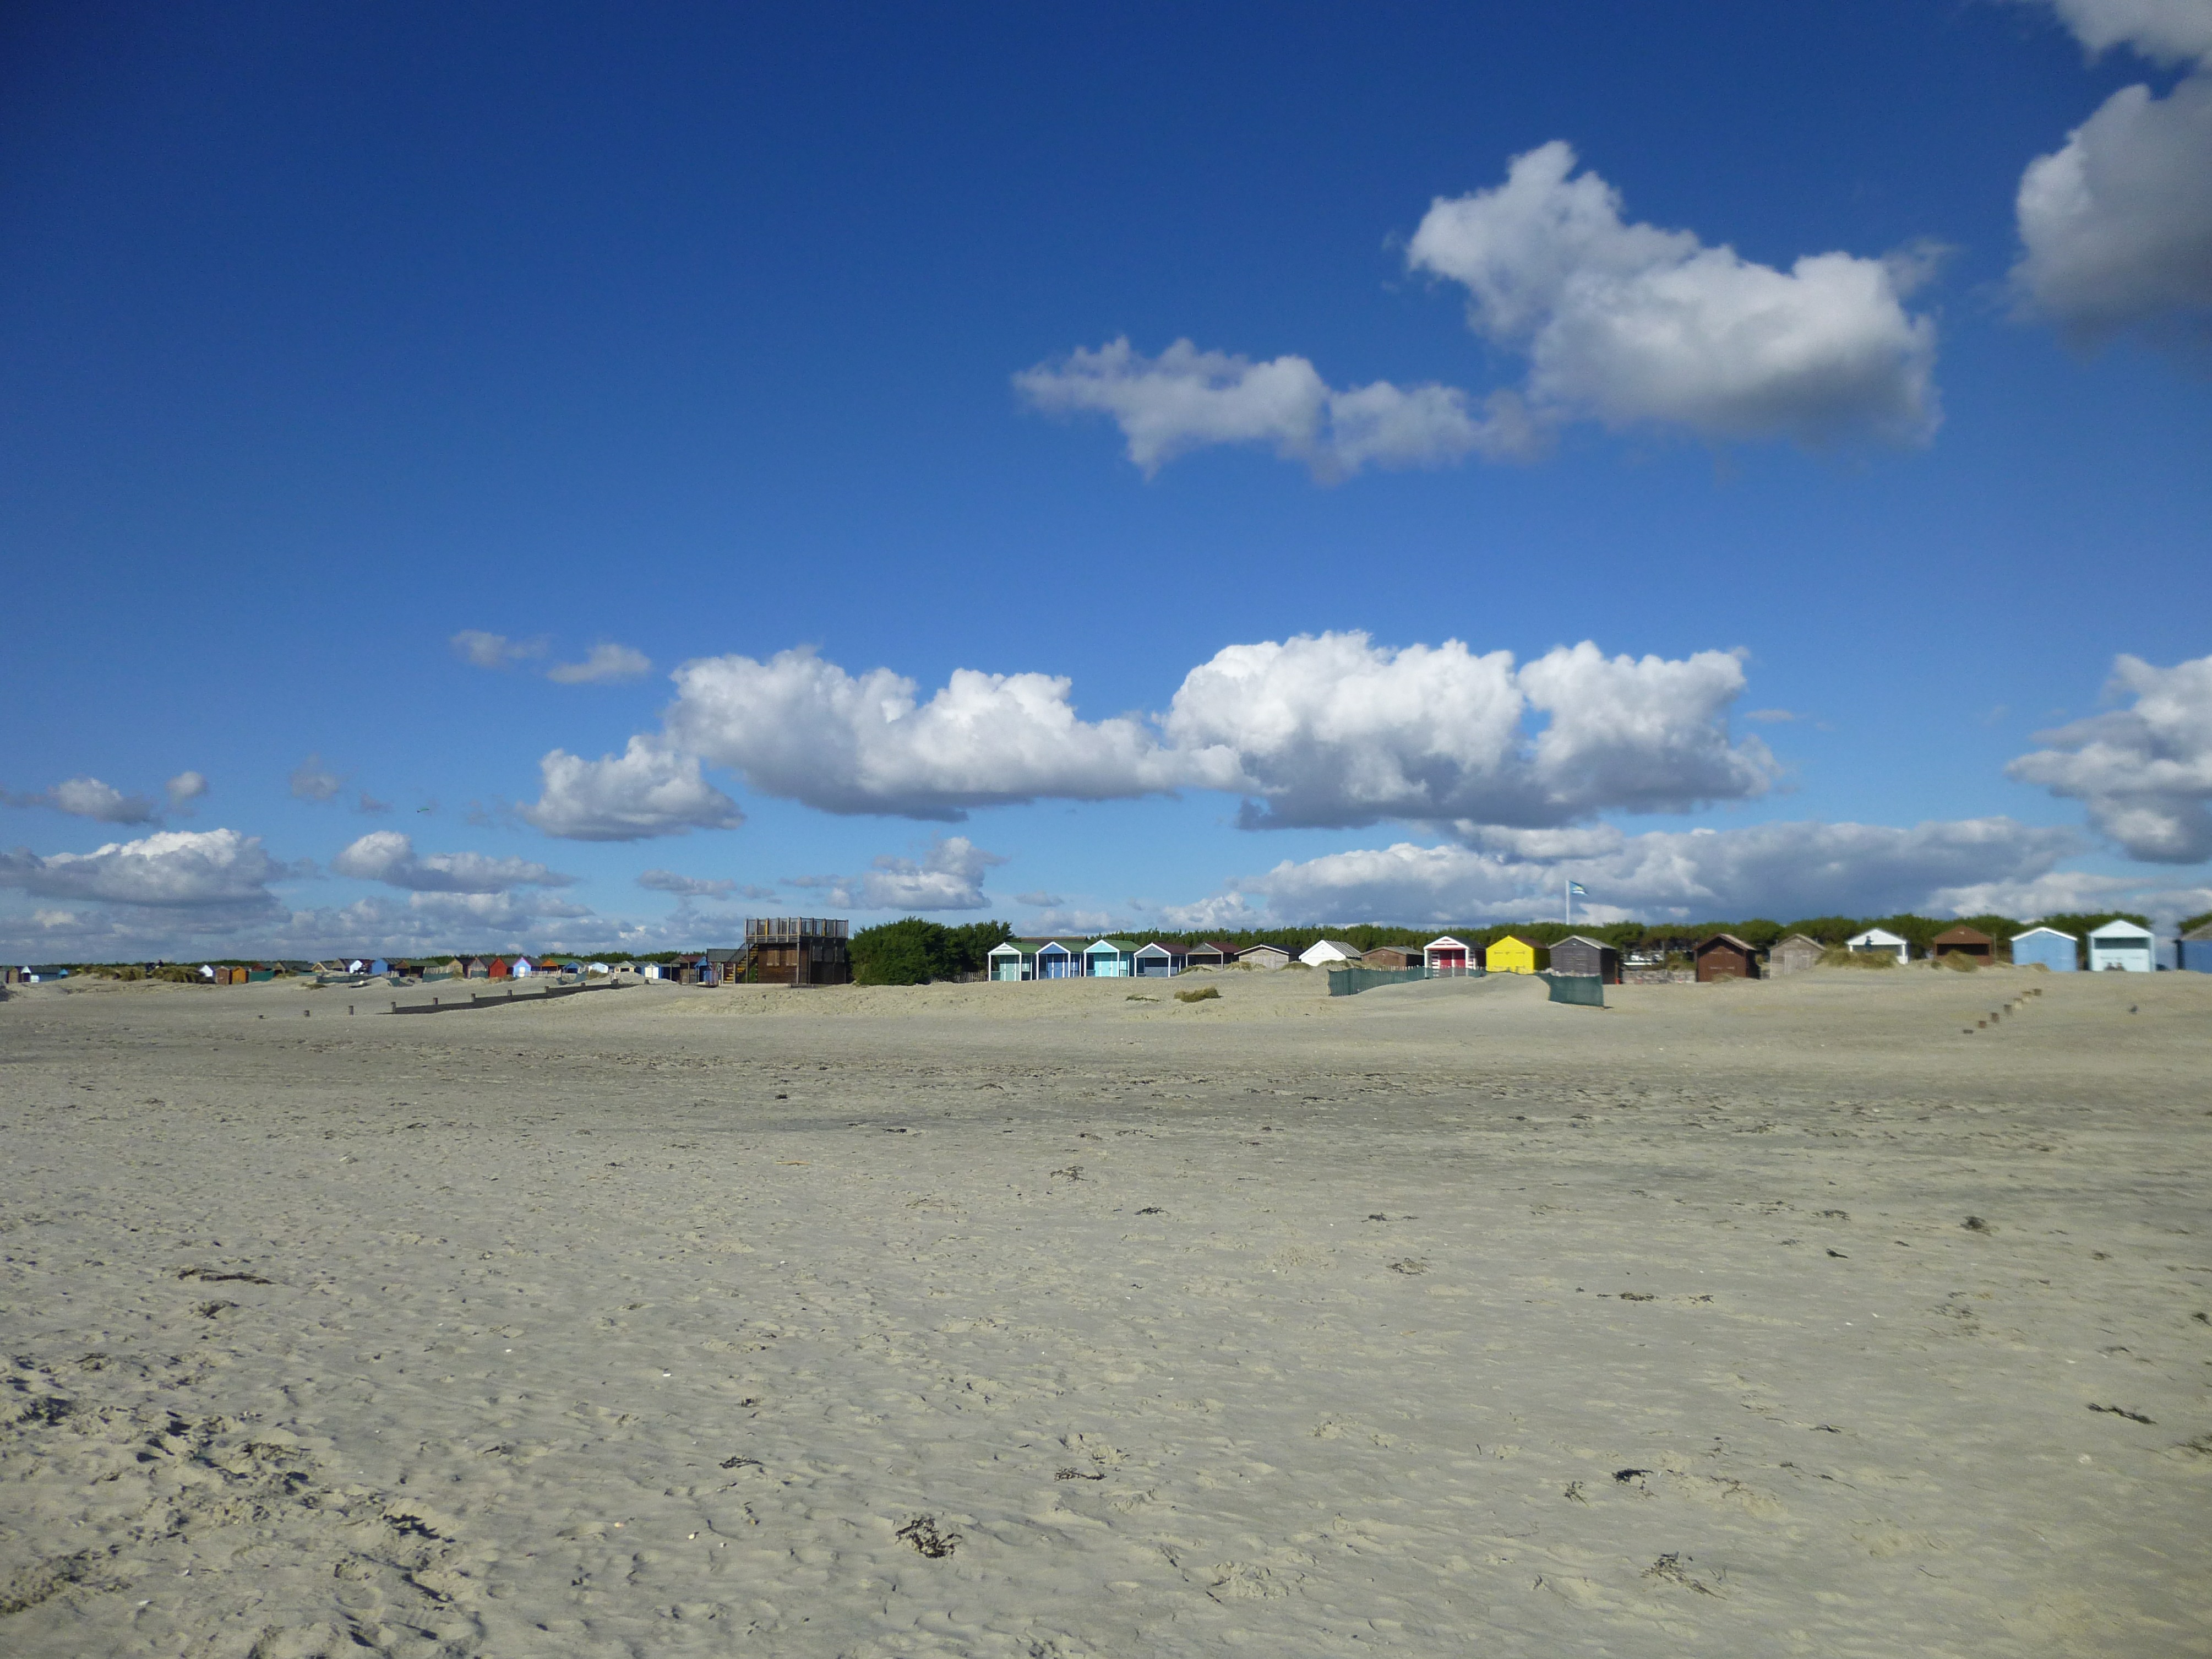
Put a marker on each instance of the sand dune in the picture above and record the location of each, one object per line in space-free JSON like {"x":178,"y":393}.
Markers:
{"x":1771,"y":1319}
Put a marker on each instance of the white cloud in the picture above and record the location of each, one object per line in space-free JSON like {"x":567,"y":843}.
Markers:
{"x":1777,"y":870}
{"x":1628,"y":323}
{"x":1318,"y":730}
{"x":310,"y":782}
{"x":2165,"y":31}
{"x":2146,"y":771}
{"x":388,"y":856}
{"x":1040,"y":900}
{"x":184,"y":789}
{"x":647,"y":790}
{"x":88,"y":798}
{"x":689,"y":887}
{"x":1333,"y":730}
{"x":1227,"y":912}
{"x":1186,"y":399}
{"x":807,"y":730}
{"x":215,"y":870}
{"x":605,"y":662}
{"x":2116,"y":228}
{"x":948,"y":877}
{"x":473,"y":645}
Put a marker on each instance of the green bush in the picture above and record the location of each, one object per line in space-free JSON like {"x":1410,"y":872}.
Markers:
{"x":912,"y":951}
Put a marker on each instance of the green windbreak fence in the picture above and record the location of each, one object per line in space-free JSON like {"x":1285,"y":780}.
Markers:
{"x":1350,"y":981}
{"x":1586,"y":990}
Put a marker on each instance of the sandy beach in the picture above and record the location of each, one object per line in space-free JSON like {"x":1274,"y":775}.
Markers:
{"x":1038,"y":1321}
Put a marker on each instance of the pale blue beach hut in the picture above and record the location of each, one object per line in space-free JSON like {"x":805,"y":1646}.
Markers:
{"x":1057,"y":961}
{"x":2047,"y":947}
{"x":1111,"y":958}
{"x":2194,"y":953}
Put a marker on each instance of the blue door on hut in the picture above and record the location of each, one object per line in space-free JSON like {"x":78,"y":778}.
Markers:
{"x":1056,"y":961}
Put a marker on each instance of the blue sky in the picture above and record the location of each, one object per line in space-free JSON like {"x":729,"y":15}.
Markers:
{"x":361,"y":366}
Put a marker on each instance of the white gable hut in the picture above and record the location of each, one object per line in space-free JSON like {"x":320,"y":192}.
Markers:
{"x":2122,"y":946}
{"x":1879,"y":939}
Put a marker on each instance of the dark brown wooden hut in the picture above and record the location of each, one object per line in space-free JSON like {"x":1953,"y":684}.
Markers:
{"x":1725,"y":956}
{"x":1587,"y":959}
{"x":798,"y":951}
{"x":1964,"y":941}
{"x":1399,"y":956}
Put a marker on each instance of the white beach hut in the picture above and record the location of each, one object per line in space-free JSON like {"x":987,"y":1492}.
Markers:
{"x":1328,"y":952}
{"x":1263,"y":956}
{"x":2122,"y":946}
{"x":1879,"y":939}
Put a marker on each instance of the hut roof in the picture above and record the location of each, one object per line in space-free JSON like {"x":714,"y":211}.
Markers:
{"x":1962,"y":935}
{"x":1583,"y":939}
{"x":1724,"y":938}
{"x":2198,"y":936}
{"x":2118,"y":929}
{"x":2053,"y":932}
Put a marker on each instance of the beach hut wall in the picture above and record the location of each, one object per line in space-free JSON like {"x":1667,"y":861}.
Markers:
{"x":1159,"y":960}
{"x":1013,"y":961}
{"x":1446,"y":956}
{"x":1209,"y":953}
{"x":2193,"y":952}
{"x":1059,"y":960}
{"x":1879,"y":939}
{"x":1393,"y":958}
{"x":2121,"y":947}
{"x":1725,"y":956}
{"x":1111,"y":958}
{"x":1264,"y":955}
{"x":1510,"y":956}
{"x":1964,"y":941}
{"x":2047,"y":947}
{"x":1328,"y":953}
{"x":1587,"y":959}
{"x":1793,"y":955}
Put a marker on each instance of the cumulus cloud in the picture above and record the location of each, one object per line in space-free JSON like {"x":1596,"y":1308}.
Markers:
{"x":473,"y":645}
{"x":390,"y":857}
{"x":1780,"y":870}
{"x":2115,"y":227}
{"x":689,"y":887}
{"x":88,"y":798}
{"x":806,"y":730}
{"x":2164,"y":31}
{"x":1327,"y":730}
{"x":948,"y":877}
{"x":1332,"y":730}
{"x":312,"y":781}
{"x":605,"y":662}
{"x":2145,"y":771}
{"x":214,"y":870}
{"x":1186,"y":399}
{"x":647,"y":790}
{"x":1629,"y":323}
{"x":184,"y":789}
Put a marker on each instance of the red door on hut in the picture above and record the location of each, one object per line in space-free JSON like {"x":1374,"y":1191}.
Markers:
{"x":1726,"y":957}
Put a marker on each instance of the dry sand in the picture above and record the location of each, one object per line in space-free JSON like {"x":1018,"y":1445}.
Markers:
{"x":1034,"y":1320}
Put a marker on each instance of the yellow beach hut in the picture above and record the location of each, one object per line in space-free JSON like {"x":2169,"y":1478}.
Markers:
{"x":1510,"y":956}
